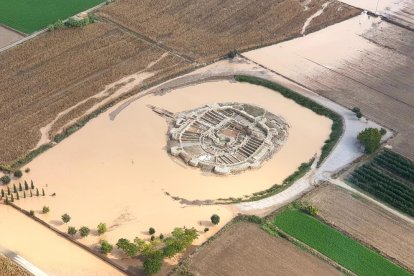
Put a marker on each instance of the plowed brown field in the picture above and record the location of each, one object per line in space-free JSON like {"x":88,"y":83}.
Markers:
{"x":367,"y":222}
{"x":205,"y":30}
{"x":56,"y":71}
{"x":245,"y":249}
{"x":7,"y":267}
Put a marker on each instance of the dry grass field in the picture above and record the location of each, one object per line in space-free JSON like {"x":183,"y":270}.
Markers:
{"x":245,"y":249}
{"x":56,"y":71}
{"x":206,"y":30}
{"x":366,"y":222}
{"x":9,"y":268}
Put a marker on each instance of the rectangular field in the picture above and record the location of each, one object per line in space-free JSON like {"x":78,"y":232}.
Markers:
{"x":335,"y":245}
{"x":206,"y":30}
{"x":366,"y":221}
{"x":245,"y":249}
{"x":29,"y":16}
{"x":390,"y":178}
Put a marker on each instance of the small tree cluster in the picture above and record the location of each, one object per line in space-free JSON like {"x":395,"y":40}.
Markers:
{"x":45,"y":210}
{"x":65,"y":218}
{"x":56,"y":26}
{"x":311,"y":210}
{"x":102,"y":228}
{"x":357,"y":112}
{"x":106,"y":247}
{"x":370,"y":138}
{"x":215,"y":219}
{"x":72,"y":231}
{"x":5,"y":179}
{"x":84,"y":231}
{"x":129,"y":248}
{"x":18,"y":173}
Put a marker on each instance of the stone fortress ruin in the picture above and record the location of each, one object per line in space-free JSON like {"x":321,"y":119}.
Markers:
{"x":227,"y":137}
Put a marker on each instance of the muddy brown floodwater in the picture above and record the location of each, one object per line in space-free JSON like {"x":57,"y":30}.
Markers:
{"x":118,"y":171}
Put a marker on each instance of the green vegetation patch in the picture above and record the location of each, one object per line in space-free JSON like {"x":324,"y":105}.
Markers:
{"x":388,"y":177}
{"x":337,"y":126}
{"x":335,"y":245}
{"x":29,"y":16}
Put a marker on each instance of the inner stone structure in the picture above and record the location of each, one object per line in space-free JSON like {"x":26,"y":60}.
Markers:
{"x":226,"y":137}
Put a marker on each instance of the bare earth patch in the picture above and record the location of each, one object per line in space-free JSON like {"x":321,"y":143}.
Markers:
{"x":8,"y":36}
{"x":367,"y":222}
{"x":245,"y":249}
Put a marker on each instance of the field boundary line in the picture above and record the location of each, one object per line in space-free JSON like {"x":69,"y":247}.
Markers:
{"x":147,"y":39}
{"x":66,"y":237}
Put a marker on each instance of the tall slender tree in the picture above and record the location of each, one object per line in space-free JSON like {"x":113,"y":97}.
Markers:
{"x":37,"y":192}
{"x":8,"y":190}
{"x":43,"y":192}
{"x":20,"y":187}
{"x":24,"y":194}
{"x":2,"y":193}
{"x":31,"y":184}
{"x":26,"y":186}
{"x":14,"y":188}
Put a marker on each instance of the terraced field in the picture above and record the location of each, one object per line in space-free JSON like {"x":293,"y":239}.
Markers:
{"x":206,"y":30}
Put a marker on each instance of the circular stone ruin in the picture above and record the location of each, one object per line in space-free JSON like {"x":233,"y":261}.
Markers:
{"x":227,"y":137}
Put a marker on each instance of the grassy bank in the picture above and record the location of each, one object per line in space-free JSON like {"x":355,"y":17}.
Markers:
{"x":337,"y":126}
{"x":335,"y":245}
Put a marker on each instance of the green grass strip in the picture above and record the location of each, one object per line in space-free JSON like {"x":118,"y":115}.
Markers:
{"x":338,"y":247}
{"x":337,"y":126}
{"x":29,"y":16}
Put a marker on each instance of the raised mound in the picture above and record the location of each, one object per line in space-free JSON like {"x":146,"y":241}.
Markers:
{"x":226,"y":137}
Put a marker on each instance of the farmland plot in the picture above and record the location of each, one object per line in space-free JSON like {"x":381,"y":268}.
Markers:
{"x":370,"y":66}
{"x":68,"y":72}
{"x":206,"y":30}
{"x":366,"y":222}
{"x":245,"y":249}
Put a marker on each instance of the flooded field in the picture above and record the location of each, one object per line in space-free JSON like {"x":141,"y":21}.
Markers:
{"x":118,"y":171}
{"x":45,"y":249}
{"x":369,"y":65}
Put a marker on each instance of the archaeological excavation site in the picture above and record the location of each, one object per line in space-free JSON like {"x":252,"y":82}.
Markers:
{"x":226,"y":137}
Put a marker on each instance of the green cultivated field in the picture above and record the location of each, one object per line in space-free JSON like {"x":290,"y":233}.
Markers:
{"x":29,"y":16}
{"x":335,"y":245}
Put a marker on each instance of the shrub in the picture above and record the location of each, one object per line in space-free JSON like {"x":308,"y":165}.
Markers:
{"x":129,"y":248}
{"x":102,"y":228}
{"x":27,"y":170}
{"x":65,"y":218}
{"x":84,"y":231}
{"x":31,"y":213}
{"x":161,"y":236}
{"x":106,"y":247}
{"x":18,"y":173}
{"x":311,"y":210}
{"x":152,"y":238}
{"x":370,"y":138}
{"x":215,"y":219}
{"x":206,"y":229}
{"x":5,"y":179}
{"x":232,"y":54}
{"x":151,"y":231}
{"x":153,"y":263}
{"x":72,"y":231}
{"x":45,"y":210}
{"x":383,"y":131}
